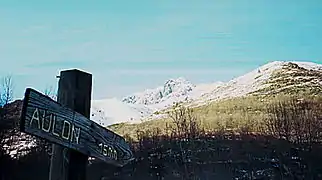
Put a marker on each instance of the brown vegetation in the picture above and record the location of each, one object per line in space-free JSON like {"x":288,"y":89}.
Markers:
{"x":296,"y":120}
{"x":254,"y":138}
{"x":286,"y":149}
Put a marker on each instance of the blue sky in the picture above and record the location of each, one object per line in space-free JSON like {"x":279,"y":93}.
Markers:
{"x":129,"y":46}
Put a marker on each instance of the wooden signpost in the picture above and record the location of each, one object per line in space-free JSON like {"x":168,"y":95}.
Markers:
{"x":66,"y":124}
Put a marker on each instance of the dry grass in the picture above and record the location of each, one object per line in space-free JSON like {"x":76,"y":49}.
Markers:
{"x":245,"y":113}
{"x":237,"y":114}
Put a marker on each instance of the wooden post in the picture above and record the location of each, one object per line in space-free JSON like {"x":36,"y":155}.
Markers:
{"x":74,"y":91}
{"x":67,"y":124}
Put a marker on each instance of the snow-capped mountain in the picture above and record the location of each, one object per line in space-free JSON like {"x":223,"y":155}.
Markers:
{"x":172,"y":88}
{"x":139,"y":106}
{"x":109,"y":111}
{"x":244,"y":84}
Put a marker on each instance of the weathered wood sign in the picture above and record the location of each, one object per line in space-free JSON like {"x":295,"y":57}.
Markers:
{"x":43,"y":117}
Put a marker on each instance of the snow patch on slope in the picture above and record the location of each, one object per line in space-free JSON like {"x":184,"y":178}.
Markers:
{"x":111,"y":111}
{"x":20,"y":144}
{"x":139,"y":106}
{"x":242,"y":85}
{"x":173,"y":88}
{"x":308,"y":65}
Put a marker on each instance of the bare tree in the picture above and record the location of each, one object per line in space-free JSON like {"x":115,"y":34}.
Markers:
{"x":6,"y":90}
{"x":187,"y":127}
{"x":185,"y":120}
{"x":50,"y":92}
{"x":297,"y":120}
{"x":6,"y":126}
{"x":279,"y":121}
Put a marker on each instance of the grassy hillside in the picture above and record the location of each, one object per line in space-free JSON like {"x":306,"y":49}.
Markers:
{"x":238,"y":114}
{"x":292,"y":79}
{"x":245,"y":113}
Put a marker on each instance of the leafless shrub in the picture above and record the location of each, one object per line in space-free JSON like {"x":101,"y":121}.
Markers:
{"x":6,"y":90}
{"x":186,"y":122}
{"x":296,"y":120}
{"x":6,"y":124}
{"x":50,"y":92}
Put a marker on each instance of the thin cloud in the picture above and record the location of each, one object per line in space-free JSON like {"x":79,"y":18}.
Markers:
{"x":216,"y":35}
{"x":55,"y":64}
{"x":36,"y":28}
{"x":168,"y":22}
{"x":176,"y":71}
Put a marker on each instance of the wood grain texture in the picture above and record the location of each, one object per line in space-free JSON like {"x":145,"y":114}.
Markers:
{"x":74,"y":91}
{"x":45,"y":118}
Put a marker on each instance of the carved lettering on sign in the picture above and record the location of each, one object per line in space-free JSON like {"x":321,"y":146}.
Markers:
{"x":45,"y":118}
{"x":35,"y":116}
{"x":54,"y":125}
{"x":76,"y":133}
{"x":49,"y":124}
{"x":108,"y":151}
{"x":63,"y":133}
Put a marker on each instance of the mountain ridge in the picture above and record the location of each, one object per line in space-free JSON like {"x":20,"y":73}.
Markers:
{"x":271,"y":78}
{"x":171,"y":87}
{"x":143,"y":105}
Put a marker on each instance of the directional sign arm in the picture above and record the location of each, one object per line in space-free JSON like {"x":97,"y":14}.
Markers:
{"x":43,"y":117}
